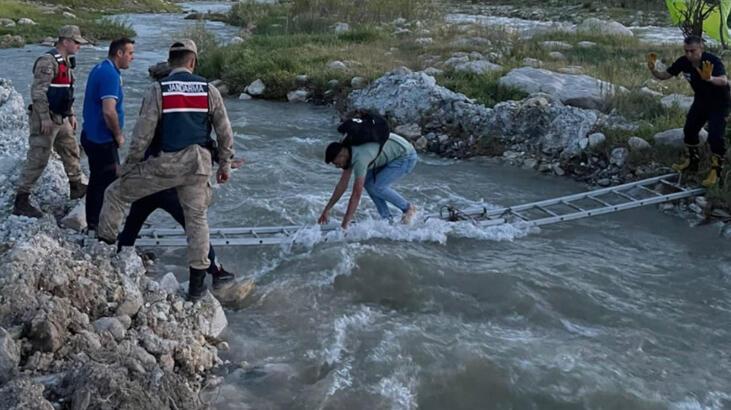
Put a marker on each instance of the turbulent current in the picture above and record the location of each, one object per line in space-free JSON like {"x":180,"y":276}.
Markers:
{"x":625,"y":311}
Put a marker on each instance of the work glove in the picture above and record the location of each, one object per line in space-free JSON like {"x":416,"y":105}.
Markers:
{"x":706,"y":70}
{"x":651,"y":61}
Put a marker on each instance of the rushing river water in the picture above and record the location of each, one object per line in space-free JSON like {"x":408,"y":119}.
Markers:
{"x":624,"y":311}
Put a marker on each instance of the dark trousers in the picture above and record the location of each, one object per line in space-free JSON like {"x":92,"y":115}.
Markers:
{"x":166,"y":200}
{"x":698,"y":115}
{"x":103,"y":163}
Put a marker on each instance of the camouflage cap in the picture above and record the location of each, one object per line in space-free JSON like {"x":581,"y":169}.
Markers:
{"x":184,"y":45}
{"x":73,"y":33}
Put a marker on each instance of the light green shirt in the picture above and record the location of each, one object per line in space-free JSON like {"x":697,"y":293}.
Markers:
{"x":396,"y":147}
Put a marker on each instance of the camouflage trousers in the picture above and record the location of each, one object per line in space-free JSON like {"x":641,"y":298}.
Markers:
{"x":60,"y":139}
{"x":177,"y":170}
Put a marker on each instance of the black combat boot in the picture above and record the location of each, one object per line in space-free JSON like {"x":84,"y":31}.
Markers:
{"x":197,"y":284}
{"x":23,"y":207}
{"x":689,"y":164}
{"x":221,"y":277}
{"x":77,"y":189}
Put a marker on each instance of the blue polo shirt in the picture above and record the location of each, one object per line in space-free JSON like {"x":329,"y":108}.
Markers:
{"x":105,"y":81}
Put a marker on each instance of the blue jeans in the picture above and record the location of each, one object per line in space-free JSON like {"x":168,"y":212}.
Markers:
{"x":378,"y":184}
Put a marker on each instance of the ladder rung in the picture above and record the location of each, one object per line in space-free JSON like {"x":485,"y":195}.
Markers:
{"x":519,"y":215}
{"x":548,"y":211}
{"x":650,"y":190}
{"x":670,"y":184}
{"x":625,"y":196}
{"x":570,"y":205}
{"x":599,"y":200}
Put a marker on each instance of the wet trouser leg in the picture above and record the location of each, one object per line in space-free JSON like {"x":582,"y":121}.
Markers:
{"x":103,"y":163}
{"x":378,"y":184}
{"x":194,"y":193}
{"x":142,"y":208}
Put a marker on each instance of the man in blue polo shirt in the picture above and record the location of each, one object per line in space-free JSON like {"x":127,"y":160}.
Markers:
{"x":103,"y":122}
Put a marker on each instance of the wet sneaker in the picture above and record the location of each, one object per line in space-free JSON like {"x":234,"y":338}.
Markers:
{"x":408,"y":216}
{"x":221,"y":277}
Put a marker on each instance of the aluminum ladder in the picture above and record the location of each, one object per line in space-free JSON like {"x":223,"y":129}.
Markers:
{"x":602,"y":201}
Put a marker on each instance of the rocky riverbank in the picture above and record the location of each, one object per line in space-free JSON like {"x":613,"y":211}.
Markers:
{"x":541,"y":132}
{"x":80,"y":325}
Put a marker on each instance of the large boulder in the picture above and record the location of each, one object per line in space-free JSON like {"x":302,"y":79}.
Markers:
{"x":11,"y":41}
{"x":595,"y":26}
{"x":681,"y":101}
{"x":543,"y":124}
{"x":407,"y":97}
{"x":478,"y":67}
{"x":580,"y":91}
{"x":674,"y":138}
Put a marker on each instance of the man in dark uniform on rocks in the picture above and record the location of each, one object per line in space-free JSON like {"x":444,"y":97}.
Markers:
{"x":181,"y":109}
{"x":52,"y":121}
{"x":707,"y":76}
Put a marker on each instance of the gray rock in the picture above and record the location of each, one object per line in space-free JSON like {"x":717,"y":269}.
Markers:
{"x":341,"y":27}
{"x":572,"y":69}
{"x":9,"y":357}
{"x":401,"y":32}
{"x":22,"y":393}
{"x":557,"y":55}
{"x":76,"y":219}
{"x":477,"y":67}
{"x":650,"y":92}
{"x":681,"y":101}
{"x":111,"y":325}
{"x":333,"y":84}
{"x":726,"y":231}
{"x":12,"y":41}
{"x":301,"y":80}
{"x":26,"y":22}
{"x":701,"y":201}
{"x":337,"y":65}
{"x":424,"y":41}
{"x":558,"y":170}
{"x":298,"y":96}
{"x":236,"y":40}
{"x":584,"y":143}
{"x":532,"y":62}
{"x":6,"y":23}
{"x":619,"y":156}
{"x":433,"y":71}
{"x":695,"y":208}
{"x":421,"y":143}
{"x":674,"y":137}
{"x":638,"y":144}
{"x":409,"y":131}
{"x":244,"y":96}
{"x":454,"y":61}
{"x":577,"y":90}
{"x":595,"y":26}
{"x":586,"y":44}
{"x":68,"y":15}
{"x":471,"y":42}
{"x":604,"y":182}
{"x":256,"y":88}
{"x":530,"y":163}
{"x":399,"y":21}
{"x":415,"y":98}
{"x":556,"y":45}
{"x":544,"y":125}
{"x":169,"y":284}
{"x":596,"y":139}
{"x":358,"y":83}
{"x":212,"y":319}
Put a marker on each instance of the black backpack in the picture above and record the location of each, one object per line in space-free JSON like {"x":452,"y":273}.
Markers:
{"x":364,"y":129}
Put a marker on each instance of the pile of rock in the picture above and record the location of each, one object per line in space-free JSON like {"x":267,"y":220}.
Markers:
{"x":80,"y":325}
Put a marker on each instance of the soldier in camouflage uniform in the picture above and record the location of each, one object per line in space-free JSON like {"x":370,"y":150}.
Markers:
{"x":52,"y":121}
{"x":177,"y":114}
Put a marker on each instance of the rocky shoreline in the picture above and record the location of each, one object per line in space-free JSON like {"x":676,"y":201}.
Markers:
{"x":80,"y":325}
{"x":540,"y":132}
